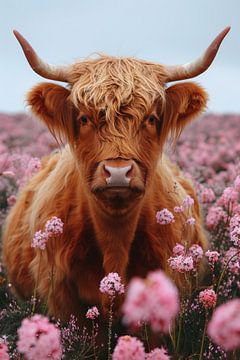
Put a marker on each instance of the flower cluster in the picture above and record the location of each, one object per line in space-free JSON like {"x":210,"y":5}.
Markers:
{"x":214,"y":216}
{"x":212,"y":257}
{"x":237,"y":183}
{"x":232,"y":260}
{"x":208,"y":298}
{"x":165,"y":217}
{"x":54,"y":226}
{"x":154,"y":300}
{"x":229,"y":197}
{"x":158,"y":354}
{"x":224,"y":327}
{"x":39,"y":339}
{"x":128,"y":348}
{"x":178,"y":249}
{"x":191,"y":221}
{"x":185,"y":261}
{"x":4,"y":349}
{"x":196,"y":252}
{"x":112,"y":285}
{"x":178,"y":209}
{"x":188,"y":201}
{"x":181,"y":263}
{"x":207,"y":196}
{"x":92,"y":313}
{"x":40,"y":240}
{"x":235,"y":229}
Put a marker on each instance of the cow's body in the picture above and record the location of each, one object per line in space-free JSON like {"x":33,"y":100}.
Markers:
{"x":57,"y":190}
{"x":108,"y":182}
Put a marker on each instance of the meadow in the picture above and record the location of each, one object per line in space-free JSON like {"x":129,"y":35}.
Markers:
{"x":159,"y":323}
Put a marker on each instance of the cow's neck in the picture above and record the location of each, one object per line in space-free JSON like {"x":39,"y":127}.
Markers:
{"x":115,"y":235}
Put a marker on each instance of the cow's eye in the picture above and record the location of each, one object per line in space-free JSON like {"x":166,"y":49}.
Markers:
{"x":152,"y":120}
{"x":84,"y":120}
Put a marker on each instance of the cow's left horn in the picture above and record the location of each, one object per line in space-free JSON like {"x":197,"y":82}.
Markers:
{"x":196,"y":67}
{"x":47,"y":71}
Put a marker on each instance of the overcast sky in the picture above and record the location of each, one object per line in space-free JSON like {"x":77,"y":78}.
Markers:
{"x":169,"y":32}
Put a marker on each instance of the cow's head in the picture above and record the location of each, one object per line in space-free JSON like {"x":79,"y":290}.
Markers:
{"x":116,"y":114}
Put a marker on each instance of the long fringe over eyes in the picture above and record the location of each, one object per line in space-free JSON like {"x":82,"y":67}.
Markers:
{"x":117,"y":86}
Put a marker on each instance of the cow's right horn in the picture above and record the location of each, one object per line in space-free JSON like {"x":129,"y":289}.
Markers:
{"x":196,"y":67}
{"x":42,"y":68}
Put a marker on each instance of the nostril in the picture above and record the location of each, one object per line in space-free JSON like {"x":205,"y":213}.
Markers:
{"x":129,"y":172}
{"x":106,"y":171}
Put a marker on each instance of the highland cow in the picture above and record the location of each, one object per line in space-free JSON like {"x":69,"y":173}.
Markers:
{"x":109,"y":180}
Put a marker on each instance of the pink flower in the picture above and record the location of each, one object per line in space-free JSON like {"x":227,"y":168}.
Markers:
{"x":40,"y":239}
{"x":229,"y":196}
{"x":224,"y":327}
{"x":191,"y":221}
{"x":11,"y":200}
{"x":207,"y":196}
{"x":237,"y":183}
{"x":92,"y":313}
{"x":39,"y":339}
{"x":158,"y":354}
{"x":178,"y":249}
{"x":8,"y":174}
{"x":208,"y":298}
{"x":33,"y":166}
{"x":154,"y":300}
{"x":214,"y":216}
{"x":235,"y":229}
{"x":3,"y":349}
{"x":112,"y":285}
{"x":232,"y":260}
{"x":128,"y":348}
{"x":181,"y":263}
{"x":187,"y":202}
{"x":212,"y":256}
{"x":165,"y":217}
{"x":196,"y":252}
{"x":136,"y":302}
{"x":54,"y":226}
{"x":178,"y":209}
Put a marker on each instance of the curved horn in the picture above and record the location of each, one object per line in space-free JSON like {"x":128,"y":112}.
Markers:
{"x":43,"y":69}
{"x":196,"y":67}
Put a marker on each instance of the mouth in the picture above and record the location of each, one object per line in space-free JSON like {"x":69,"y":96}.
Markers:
{"x":118,"y":197}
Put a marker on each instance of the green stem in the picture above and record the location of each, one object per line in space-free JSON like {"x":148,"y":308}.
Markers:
{"x":146,"y":337}
{"x":93,"y":341}
{"x":110,"y":328}
{"x":36,"y":285}
{"x":179,"y":333}
{"x":203,"y":339}
{"x":173,"y":336}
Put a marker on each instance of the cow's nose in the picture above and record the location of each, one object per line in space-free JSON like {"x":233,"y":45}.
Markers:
{"x":117,"y":176}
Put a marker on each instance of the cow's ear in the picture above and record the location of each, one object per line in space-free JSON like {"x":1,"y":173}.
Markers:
{"x":51,"y":104}
{"x":184,"y":102}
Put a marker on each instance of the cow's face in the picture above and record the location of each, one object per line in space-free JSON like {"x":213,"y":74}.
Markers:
{"x":116,"y":116}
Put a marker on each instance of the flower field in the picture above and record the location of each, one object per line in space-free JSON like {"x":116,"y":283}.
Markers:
{"x":158,"y":322}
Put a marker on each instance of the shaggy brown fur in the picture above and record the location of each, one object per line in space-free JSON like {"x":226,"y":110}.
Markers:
{"x":117,"y":109}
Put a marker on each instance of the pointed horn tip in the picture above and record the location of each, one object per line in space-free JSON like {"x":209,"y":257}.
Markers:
{"x":227,"y":28}
{"x":226,"y":31}
{"x":19,"y":37}
{"x":16,"y":33}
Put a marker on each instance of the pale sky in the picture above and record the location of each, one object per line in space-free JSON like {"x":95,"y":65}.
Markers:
{"x":168,"y":32}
